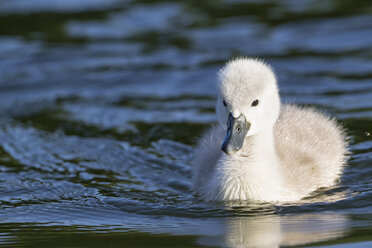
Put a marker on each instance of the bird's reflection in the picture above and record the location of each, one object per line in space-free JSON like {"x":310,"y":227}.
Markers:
{"x":276,"y":230}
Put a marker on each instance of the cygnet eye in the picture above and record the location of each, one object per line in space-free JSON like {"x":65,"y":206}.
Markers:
{"x":224,"y":103}
{"x":255,"y":103}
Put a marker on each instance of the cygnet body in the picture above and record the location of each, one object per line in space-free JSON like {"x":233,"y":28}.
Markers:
{"x":262,"y":150}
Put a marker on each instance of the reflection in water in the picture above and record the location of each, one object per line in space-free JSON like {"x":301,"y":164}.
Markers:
{"x":275,"y":231}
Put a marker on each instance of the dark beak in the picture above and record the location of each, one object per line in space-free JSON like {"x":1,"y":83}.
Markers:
{"x":236,"y":131}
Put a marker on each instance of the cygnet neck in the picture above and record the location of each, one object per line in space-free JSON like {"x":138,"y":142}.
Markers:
{"x":254,"y":172}
{"x":260,"y":147}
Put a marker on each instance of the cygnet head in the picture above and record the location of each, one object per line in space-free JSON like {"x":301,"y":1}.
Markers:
{"x":248,"y":101}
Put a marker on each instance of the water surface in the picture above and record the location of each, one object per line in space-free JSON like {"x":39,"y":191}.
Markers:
{"x":102,"y":103}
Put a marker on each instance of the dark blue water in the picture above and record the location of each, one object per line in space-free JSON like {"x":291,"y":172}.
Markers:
{"x":102,"y":103}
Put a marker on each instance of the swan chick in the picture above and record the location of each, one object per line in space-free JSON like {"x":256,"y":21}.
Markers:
{"x":261,"y":149}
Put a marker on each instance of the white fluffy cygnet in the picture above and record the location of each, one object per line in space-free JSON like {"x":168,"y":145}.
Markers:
{"x":262,"y":150}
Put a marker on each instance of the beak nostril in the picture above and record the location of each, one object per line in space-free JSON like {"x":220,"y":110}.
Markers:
{"x":236,"y":131}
